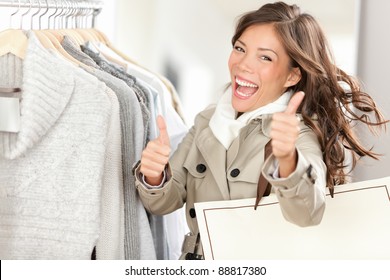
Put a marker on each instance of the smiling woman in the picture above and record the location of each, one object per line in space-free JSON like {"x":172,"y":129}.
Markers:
{"x":288,"y":96}
{"x":260,"y":69}
{"x":283,"y":123}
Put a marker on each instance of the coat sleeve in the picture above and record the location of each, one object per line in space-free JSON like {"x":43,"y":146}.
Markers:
{"x":302,"y":194}
{"x":172,"y":195}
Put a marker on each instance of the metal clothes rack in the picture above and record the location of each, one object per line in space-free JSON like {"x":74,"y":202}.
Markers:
{"x":71,"y":5}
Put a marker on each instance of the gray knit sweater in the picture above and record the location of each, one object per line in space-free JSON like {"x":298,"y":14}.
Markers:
{"x":138,"y":237}
{"x":51,"y":172}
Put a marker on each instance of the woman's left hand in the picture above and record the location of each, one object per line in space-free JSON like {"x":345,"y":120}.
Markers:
{"x":284,"y":133}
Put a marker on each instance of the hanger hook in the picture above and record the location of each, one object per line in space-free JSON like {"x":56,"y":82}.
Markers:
{"x":22,"y":16}
{"x":78,"y":14}
{"x":60,"y":14}
{"x":49,"y":17}
{"x":66,"y":14}
{"x":87,"y":12}
{"x":40,"y":17}
{"x":33,"y":15}
{"x":57,"y":16}
{"x":14,"y":13}
{"x":74,"y":13}
{"x":70,"y":15}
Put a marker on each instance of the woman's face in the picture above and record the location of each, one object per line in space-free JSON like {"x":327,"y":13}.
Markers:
{"x":259,"y":68}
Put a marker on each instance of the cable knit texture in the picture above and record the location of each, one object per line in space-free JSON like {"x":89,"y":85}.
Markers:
{"x":51,"y":171}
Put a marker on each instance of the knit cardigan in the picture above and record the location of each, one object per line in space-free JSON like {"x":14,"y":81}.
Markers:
{"x":138,"y":240}
{"x":52,"y":170}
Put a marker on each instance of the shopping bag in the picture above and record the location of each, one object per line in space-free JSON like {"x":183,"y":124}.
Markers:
{"x":355,"y":225}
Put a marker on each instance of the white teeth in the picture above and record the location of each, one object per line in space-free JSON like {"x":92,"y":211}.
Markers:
{"x":243,"y":94}
{"x":245,"y":84}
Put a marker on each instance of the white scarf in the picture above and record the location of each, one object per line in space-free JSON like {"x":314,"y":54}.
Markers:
{"x":226,"y":127}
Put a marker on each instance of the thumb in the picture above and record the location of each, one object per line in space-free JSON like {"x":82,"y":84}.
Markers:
{"x":294,"y":103}
{"x":162,"y":127}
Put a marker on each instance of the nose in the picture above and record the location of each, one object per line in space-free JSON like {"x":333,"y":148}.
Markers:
{"x":244,"y":64}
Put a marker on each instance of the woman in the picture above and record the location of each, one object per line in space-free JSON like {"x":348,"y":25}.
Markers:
{"x":286,"y":91}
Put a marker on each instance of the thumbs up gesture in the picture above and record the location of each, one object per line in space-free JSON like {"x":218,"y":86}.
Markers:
{"x":156,"y":155}
{"x":284,"y":133}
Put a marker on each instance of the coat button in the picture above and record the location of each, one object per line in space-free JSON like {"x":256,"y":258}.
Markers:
{"x":192,"y":213}
{"x":201,"y":168}
{"x":235,"y":172}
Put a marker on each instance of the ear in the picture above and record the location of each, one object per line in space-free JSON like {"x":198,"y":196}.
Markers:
{"x":293,"y":78}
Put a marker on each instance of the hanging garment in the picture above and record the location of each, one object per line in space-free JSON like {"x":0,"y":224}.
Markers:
{"x":156,"y":222}
{"x":160,"y":83}
{"x":53,"y":169}
{"x":110,"y":245}
{"x":167,"y":234}
{"x":130,"y":81}
{"x":171,"y":227}
{"x":138,"y":236}
{"x":167,"y":95}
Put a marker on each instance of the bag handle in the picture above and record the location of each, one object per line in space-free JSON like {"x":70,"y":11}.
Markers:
{"x":263,"y":186}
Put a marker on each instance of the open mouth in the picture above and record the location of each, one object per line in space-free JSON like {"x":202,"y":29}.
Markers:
{"x":245,"y":89}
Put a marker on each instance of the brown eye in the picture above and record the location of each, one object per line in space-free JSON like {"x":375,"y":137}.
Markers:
{"x":238,"y":48}
{"x":266,"y":58}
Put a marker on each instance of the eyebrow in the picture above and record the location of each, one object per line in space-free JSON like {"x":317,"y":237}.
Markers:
{"x":260,"y":49}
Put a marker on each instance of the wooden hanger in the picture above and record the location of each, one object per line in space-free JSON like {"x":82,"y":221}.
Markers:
{"x":75,"y":36}
{"x":101,"y":37}
{"x":49,"y":41}
{"x":45,"y":41}
{"x":106,"y":41}
{"x":51,"y":33}
{"x":86,"y":35}
{"x":13,"y":41}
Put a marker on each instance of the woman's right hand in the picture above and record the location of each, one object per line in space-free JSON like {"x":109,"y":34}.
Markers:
{"x":155,"y":156}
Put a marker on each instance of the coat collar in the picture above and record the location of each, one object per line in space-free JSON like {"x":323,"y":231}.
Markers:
{"x":47,"y":85}
{"x":262,"y":123}
{"x":225,"y":123}
{"x":265,"y":123}
{"x":211,"y":148}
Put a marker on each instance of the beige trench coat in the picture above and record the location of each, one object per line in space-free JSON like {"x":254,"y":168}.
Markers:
{"x":202,"y":170}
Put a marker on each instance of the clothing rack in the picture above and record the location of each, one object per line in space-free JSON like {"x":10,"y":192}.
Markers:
{"x":66,"y":6}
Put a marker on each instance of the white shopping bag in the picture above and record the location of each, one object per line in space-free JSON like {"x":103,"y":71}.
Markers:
{"x":356,"y":225}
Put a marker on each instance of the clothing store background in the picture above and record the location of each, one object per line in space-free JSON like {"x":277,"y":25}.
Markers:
{"x":189,"y":42}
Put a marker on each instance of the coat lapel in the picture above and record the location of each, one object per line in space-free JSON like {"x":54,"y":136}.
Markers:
{"x":260,"y":125}
{"x":215,"y":156}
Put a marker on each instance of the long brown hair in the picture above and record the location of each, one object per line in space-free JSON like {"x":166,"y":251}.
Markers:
{"x":329,"y":108}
